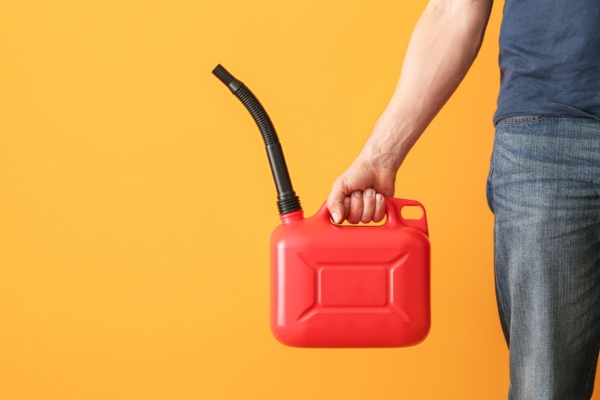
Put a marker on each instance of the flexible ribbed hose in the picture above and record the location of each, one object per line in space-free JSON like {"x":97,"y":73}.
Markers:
{"x":287,"y":201}
{"x":261,"y":118}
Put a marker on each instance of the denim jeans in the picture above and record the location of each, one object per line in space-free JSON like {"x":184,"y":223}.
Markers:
{"x":544,"y":190}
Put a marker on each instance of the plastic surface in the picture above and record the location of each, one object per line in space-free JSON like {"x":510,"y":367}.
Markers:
{"x":351,"y":286}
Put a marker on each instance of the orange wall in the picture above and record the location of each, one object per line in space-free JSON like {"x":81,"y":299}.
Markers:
{"x":136,"y":202}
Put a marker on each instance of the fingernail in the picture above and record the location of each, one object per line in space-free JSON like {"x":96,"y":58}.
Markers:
{"x":379,"y":197}
{"x":335,"y":216}
{"x":369,"y":192}
{"x":358,"y":193}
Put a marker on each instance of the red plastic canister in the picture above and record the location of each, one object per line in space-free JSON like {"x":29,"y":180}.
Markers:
{"x":350,"y":286}
{"x":341,"y":286}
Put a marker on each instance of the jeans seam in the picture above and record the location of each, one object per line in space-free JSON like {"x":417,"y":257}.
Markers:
{"x":524,"y":119}
{"x":489,"y":194}
{"x":489,"y":191}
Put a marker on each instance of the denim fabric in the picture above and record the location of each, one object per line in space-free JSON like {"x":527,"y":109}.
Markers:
{"x":544,"y":190}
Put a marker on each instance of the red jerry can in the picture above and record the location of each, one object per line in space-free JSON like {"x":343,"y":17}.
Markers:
{"x":350,"y":286}
{"x":341,"y":286}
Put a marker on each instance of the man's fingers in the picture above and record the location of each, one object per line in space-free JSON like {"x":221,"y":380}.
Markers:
{"x":356,"y":195}
{"x":336,"y":213}
{"x":379,"y":208}
{"x":368,"y":206}
{"x":335,"y":203}
{"x":356,"y":207}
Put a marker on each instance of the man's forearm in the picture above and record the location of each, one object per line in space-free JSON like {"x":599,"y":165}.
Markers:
{"x":442,"y":48}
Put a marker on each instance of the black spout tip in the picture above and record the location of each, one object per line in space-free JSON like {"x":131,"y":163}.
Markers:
{"x":224,"y":76}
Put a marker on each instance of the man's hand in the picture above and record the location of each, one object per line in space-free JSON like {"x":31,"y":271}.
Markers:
{"x":357,"y":194}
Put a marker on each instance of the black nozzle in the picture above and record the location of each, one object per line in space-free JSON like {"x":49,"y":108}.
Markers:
{"x":287,"y":201}
{"x":224,"y":76}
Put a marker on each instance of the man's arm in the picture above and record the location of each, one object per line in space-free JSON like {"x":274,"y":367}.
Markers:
{"x":442,"y":48}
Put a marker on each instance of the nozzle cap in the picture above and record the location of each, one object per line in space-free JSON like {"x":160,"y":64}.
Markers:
{"x":224,"y":76}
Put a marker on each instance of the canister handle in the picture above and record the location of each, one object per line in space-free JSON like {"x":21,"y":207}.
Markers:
{"x":393,"y":212}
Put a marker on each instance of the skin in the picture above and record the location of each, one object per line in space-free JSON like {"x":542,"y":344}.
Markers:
{"x":442,"y":48}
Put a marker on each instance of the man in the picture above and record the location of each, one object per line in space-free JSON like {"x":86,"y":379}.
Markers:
{"x":544,"y":182}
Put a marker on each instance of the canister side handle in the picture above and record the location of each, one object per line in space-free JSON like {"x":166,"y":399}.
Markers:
{"x":393,"y":212}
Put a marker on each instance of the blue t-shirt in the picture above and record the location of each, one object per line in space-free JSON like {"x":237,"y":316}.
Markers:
{"x":550,"y":58}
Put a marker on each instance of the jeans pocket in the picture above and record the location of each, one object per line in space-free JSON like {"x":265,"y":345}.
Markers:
{"x":522,"y":119}
{"x":489,"y":194}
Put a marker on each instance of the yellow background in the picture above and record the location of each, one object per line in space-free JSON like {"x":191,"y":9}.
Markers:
{"x":136,"y":201}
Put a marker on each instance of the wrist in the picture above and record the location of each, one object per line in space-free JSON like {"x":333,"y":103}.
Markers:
{"x":381,"y":156}
{"x":388,"y":144}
